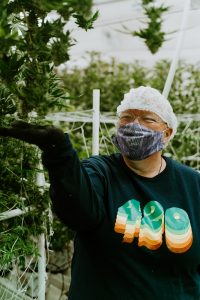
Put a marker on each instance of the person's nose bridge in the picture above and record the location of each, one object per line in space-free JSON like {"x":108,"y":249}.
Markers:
{"x":136,"y":119}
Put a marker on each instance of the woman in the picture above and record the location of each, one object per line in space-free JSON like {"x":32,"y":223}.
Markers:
{"x":135,"y":213}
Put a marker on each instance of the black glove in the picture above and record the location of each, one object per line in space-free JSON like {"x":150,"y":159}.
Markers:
{"x":44,"y":136}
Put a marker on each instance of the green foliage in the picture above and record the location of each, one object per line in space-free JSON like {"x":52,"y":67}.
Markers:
{"x":8,"y":105}
{"x":16,"y":243}
{"x":86,"y":24}
{"x":152,"y":34}
{"x":31,"y":45}
{"x":113,"y":79}
{"x":18,"y":173}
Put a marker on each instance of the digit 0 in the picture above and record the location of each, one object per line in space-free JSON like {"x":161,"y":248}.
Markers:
{"x":178,"y":231}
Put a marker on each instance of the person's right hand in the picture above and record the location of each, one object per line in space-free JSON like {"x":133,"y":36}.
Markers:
{"x":44,"y":136}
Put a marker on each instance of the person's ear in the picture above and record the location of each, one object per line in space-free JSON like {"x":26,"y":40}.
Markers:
{"x":167,"y":134}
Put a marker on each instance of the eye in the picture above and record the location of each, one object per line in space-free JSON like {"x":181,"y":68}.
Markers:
{"x":148,"y":119}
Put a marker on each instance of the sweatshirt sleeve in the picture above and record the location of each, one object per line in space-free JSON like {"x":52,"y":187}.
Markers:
{"x":77,"y":189}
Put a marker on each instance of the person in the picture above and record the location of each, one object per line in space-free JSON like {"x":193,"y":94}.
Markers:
{"x":135,"y":212}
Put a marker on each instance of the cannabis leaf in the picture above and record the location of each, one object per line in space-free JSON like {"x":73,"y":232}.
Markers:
{"x":86,"y":23}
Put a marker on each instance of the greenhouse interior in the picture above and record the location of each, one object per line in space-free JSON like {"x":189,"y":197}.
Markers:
{"x":100,"y":149}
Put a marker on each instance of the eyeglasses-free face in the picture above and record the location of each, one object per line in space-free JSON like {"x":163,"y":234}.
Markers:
{"x":145,"y":118}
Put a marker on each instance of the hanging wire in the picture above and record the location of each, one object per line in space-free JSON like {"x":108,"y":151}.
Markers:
{"x":109,"y":136}
{"x":84,"y":141}
{"x":104,"y":139}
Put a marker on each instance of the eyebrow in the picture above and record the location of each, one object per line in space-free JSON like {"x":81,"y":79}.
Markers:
{"x":144,"y":114}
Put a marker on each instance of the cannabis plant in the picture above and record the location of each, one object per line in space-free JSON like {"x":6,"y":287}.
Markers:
{"x":33,"y":41}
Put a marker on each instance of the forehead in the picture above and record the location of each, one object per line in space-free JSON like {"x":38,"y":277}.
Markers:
{"x":139,"y":112}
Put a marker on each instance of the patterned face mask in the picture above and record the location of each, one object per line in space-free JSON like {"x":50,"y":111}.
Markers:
{"x":137,"y":142}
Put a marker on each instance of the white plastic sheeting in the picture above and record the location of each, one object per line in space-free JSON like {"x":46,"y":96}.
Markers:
{"x":108,"y":38}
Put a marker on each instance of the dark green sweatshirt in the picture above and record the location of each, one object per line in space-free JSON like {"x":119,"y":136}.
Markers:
{"x":137,"y":238}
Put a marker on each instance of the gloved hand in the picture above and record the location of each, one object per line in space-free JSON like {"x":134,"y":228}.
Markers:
{"x":44,"y":136}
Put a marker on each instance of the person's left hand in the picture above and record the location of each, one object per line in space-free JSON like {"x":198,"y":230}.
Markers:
{"x":44,"y":136}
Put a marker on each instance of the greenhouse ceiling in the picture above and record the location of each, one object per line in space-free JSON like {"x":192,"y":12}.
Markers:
{"x":118,"y":16}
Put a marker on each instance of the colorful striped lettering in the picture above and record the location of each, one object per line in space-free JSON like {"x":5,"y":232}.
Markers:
{"x":149,"y":229}
{"x":152,"y":226}
{"x":128,"y":220}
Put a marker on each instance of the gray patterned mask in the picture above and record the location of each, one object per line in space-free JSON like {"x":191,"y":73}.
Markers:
{"x":137,"y":142}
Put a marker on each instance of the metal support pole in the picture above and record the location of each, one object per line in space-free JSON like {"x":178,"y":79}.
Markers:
{"x":40,"y":179}
{"x":174,"y":63}
{"x":41,"y":268}
{"x":14,"y":213}
{"x":95,"y":122}
{"x":40,"y":182}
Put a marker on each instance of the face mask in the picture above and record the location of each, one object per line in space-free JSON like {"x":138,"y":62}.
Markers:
{"x":137,"y":142}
